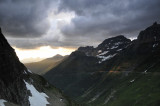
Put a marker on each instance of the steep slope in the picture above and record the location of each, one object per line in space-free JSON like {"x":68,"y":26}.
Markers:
{"x":45,"y":65}
{"x":72,"y":72}
{"x":133,"y":78}
{"x":124,"y":72}
{"x":18,"y":86}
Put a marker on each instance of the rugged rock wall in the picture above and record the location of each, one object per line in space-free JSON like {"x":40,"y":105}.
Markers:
{"x":150,"y":34}
{"x":12,"y":87}
{"x":148,"y":39}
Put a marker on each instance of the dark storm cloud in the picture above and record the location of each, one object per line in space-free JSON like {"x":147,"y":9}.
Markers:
{"x":26,"y":43}
{"x":94,"y":21}
{"x":36,"y":43}
{"x":107,"y":18}
{"x":24,"y":18}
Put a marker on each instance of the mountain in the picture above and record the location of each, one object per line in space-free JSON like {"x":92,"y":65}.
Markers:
{"x":45,"y":65}
{"x":118,"y":72}
{"x":85,"y":66}
{"x":31,"y":60}
{"x":21,"y":87}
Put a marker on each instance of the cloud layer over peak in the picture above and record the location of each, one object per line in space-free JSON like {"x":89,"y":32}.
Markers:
{"x":109,"y":17}
{"x":74,"y":23}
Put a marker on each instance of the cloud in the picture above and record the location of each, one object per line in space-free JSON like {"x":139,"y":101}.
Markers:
{"x":72,"y":23}
{"x":109,"y":17}
{"x":25,"y":18}
{"x":34,"y":43}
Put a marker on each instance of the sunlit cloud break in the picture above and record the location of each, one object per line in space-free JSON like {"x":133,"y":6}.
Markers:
{"x":41,"y":52}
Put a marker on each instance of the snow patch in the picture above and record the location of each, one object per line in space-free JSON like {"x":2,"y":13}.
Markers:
{"x":118,"y":43}
{"x":105,"y":52}
{"x":145,"y":71}
{"x":25,"y":72}
{"x":132,"y":80}
{"x":2,"y":102}
{"x":150,"y":67}
{"x":119,"y":50}
{"x":99,"y":51}
{"x":60,"y":100}
{"x":154,"y":45}
{"x":37,"y":98}
{"x":114,"y":47}
{"x":104,"y":58}
{"x":30,"y":71}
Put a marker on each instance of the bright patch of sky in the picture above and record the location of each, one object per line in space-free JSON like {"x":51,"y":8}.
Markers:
{"x":41,"y":52}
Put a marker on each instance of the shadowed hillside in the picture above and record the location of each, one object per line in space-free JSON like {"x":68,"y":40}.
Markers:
{"x":45,"y":65}
{"x":118,"y":72}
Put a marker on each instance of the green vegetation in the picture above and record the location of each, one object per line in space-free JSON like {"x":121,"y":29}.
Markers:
{"x":139,"y":87}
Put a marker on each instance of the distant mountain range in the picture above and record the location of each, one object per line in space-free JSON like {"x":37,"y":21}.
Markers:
{"x":119,"y":72}
{"x":20,"y":87}
{"x":31,"y":60}
{"x":45,"y":65}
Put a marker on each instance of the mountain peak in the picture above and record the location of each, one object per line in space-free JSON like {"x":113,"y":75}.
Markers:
{"x":58,"y":55}
{"x":150,"y":34}
{"x":4,"y":45}
{"x":155,"y":23}
{"x":113,"y":44}
{"x":113,"y":40}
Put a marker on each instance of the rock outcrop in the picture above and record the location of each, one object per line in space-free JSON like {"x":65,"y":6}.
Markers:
{"x":150,"y":34}
{"x":12,"y":87}
{"x":148,"y":40}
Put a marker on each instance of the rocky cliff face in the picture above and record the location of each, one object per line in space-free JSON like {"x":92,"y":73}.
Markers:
{"x":88,"y":50}
{"x":107,"y":49}
{"x":151,"y":34}
{"x":148,"y":39}
{"x":111,"y":45}
{"x":12,"y":87}
{"x":21,"y":87}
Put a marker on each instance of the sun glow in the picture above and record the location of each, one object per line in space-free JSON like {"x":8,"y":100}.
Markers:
{"x":31,"y":55}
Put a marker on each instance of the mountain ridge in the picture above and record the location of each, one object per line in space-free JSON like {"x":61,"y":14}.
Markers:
{"x":112,"y":63}
{"x":43,"y":66}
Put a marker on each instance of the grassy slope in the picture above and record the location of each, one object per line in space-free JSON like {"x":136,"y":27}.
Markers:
{"x":120,"y":88}
{"x":120,"y":91}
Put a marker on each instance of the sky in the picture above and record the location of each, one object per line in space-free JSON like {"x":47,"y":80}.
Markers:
{"x":43,"y":28}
